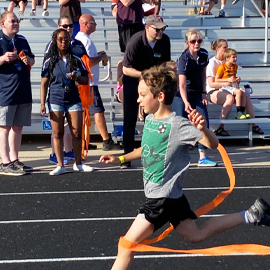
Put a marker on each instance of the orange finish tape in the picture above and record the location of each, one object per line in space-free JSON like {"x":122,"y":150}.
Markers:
{"x":214,"y":251}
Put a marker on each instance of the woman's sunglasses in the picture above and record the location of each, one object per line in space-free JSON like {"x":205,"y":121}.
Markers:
{"x":193,"y":41}
{"x":67,"y":25}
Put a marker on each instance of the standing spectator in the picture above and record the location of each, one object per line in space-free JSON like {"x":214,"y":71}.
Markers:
{"x":129,"y":18}
{"x":191,"y":69}
{"x":78,"y":49}
{"x":15,"y":3}
{"x":45,"y":6}
{"x":61,"y":69}
{"x":145,"y":49}
{"x":15,"y":93}
{"x":72,"y":9}
{"x":87,"y":27}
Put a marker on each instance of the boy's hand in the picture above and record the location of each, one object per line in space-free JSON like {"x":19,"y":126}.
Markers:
{"x":110,"y":159}
{"x":197,"y":120}
{"x":238,"y":79}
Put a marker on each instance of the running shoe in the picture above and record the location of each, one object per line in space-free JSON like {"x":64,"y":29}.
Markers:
{"x":221,"y":13}
{"x":32,"y":13}
{"x":82,"y":168}
{"x":58,"y":170}
{"x":69,"y":155}
{"x":22,"y":166}
{"x":53,"y":159}
{"x":240,"y":116}
{"x":11,"y":169}
{"x":247,"y":115}
{"x":45,"y":13}
{"x":260,"y":210}
{"x":206,"y":162}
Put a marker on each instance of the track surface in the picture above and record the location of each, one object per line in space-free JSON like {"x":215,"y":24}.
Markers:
{"x":74,"y":221}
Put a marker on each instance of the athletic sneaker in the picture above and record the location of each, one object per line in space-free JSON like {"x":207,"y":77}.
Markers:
{"x":53,"y":159}
{"x":82,"y":168}
{"x":58,"y":170}
{"x":221,"y":13}
{"x":11,"y":169}
{"x":69,"y":155}
{"x":206,"y":162}
{"x":109,"y":146}
{"x":235,"y":2}
{"x":22,"y":166}
{"x":240,"y":116}
{"x":247,"y":115}
{"x":260,"y":211}
{"x":20,"y":13}
{"x":32,"y":13}
{"x":45,"y":13}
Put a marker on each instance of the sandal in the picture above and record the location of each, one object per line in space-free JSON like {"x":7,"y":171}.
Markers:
{"x":257,"y":130}
{"x":221,"y":132}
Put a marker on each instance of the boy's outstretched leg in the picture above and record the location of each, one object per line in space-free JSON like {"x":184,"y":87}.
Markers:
{"x":258,"y":213}
{"x":139,"y":231}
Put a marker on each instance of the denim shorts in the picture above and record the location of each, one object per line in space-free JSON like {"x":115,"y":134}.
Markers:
{"x":65,"y":108}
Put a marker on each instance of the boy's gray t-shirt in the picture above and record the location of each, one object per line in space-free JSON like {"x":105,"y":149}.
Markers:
{"x":165,"y":156}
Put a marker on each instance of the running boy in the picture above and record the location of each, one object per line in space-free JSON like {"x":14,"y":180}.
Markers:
{"x":165,"y":159}
{"x":226,"y":72}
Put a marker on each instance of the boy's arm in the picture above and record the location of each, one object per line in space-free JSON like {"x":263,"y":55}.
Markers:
{"x":209,"y":138}
{"x":135,"y":154}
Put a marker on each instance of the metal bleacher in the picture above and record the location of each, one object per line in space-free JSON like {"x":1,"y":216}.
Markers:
{"x":248,"y":40}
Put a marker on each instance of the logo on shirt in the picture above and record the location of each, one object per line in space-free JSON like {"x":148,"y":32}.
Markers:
{"x":162,"y":129}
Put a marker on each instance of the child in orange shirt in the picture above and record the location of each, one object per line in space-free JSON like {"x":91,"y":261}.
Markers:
{"x":227,"y":73}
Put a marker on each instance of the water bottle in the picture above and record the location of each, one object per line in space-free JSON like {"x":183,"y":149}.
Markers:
{"x":163,"y":9}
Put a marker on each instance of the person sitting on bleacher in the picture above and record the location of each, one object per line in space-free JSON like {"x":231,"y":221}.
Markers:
{"x":15,"y":3}
{"x":211,"y":5}
{"x":45,"y":6}
{"x":225,"y":99}
{"x":226,"y":72}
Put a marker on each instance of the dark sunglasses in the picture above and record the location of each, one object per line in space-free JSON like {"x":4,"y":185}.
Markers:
{"x":66,"y":39}
{"x":159,"y":29}
{"x":67,"y":25}
{"x":193,"y":41}
{"x":14,"y":21}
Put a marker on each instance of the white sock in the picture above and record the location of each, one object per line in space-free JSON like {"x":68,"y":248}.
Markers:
{"x":249,"y":217}
{"x":222,"y":6}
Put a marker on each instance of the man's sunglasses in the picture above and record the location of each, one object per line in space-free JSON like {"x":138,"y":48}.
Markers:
{"x":193,"y":41}
{"x":159,"y":29}
{"x":67,"y":25}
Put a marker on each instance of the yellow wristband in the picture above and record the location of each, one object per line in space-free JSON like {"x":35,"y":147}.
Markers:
{"x":122,"y":160}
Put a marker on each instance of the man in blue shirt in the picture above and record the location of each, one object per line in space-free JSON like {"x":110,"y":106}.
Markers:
{"x":16,"y":60}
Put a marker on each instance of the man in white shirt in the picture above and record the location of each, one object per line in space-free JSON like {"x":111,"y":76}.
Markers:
{"x":87,"y":27}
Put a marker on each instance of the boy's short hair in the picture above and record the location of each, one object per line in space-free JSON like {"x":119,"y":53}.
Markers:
{"x":229,"y":52}
{"x":161,"y":79}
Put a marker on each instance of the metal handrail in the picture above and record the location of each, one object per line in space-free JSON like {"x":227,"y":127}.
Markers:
{"x":109,"y":69}
{"x":266,"y":24}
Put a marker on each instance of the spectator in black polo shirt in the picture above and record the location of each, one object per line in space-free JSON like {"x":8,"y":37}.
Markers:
{"x":15,"y":93}
{"x":191,"y":70}
{"x":145,"y":49}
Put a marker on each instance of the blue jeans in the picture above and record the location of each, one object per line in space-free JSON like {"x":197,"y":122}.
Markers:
{"x":178,"y":106}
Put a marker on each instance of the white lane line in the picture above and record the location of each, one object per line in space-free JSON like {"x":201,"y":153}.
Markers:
{"x":77,"y":219}
{"x":118,"y":191}
{"x":105,"y":258}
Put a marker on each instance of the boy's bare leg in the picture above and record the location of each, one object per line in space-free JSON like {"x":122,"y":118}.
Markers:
{"x":22,"y":6}
{"x":11,"y":6}
{"x":139,"y":231}
{"x":238,"y":97}
{"x":193,"y":233}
